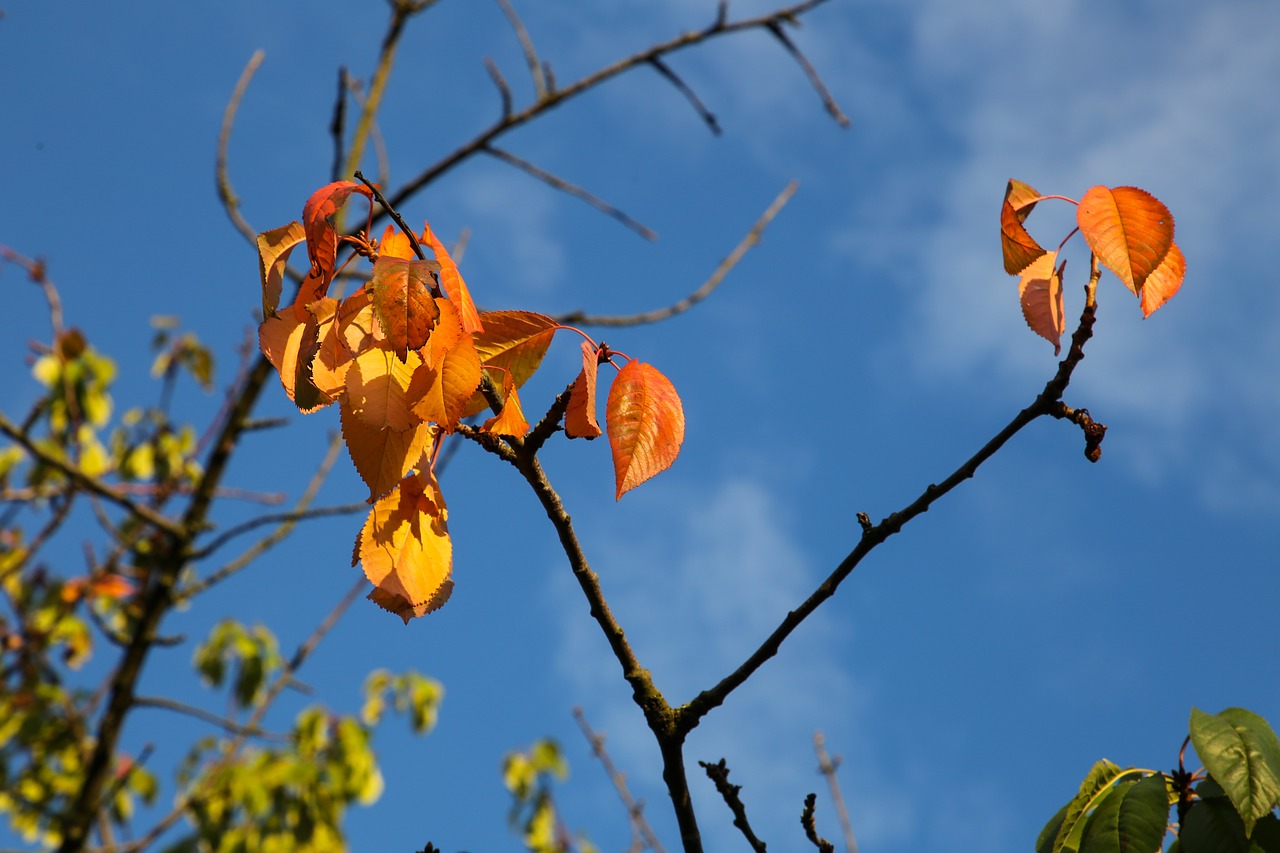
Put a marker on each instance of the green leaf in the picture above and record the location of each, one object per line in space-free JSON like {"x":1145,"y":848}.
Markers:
{"x":1044,"y":843}
{"x":1132,"y":817}
{"x":1241,"y":752}
{"x":1094,"y":787}
{"x":1213,"y":826}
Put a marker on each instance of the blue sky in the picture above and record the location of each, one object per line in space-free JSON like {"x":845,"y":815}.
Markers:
{"x":1047,"y":614}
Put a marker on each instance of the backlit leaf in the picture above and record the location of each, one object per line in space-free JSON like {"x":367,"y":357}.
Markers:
{"x":290,"y":344}
{"x":1096,"y":785}
{"x":510,"y":421}
{"x":514,"y":341}
{"x":1164,"y":281}
{"x":438,"y":392}
{"x":1018,"y":247}
{"x":1129,"y":230}
{"x":322,"y":240}
{"x":580,"y":415}
{"x":405,"y":550}
{"x":451,"y":281}
{"x":1132,"y":817}
{"x":402,"y":301}
{"x":395,"y":245}
{"x":376,"y":388}
{"x":1040,"y":289}
{"x":382,"y":456}
{"x":645,"y":420}
{"x":1242,"y":754}
{"x":274,"y":247}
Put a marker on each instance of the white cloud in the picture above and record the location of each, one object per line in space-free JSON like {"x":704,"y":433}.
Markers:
{"x":695,"y":604}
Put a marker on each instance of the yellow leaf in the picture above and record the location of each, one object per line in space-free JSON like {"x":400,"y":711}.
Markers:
{"x":382,"y":456}
{"x":376,"y":386}
{"x":511,"y":420}
{"x":405,"y":550}
{"x":514,"y":341}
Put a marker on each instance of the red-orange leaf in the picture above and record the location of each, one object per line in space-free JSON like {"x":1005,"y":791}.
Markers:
{"x":405,"y":549}
{"x":515,"y":341}
{"x":274,"y":247}
{"x":1041,"y":290}
{"x":439,"y":391}
{"x":1164,"y":281}
{"x":452,"y":282}
{"x":322,"y":240}
{"x":402,"y":301}
{"x":1129,"y":230}
{"x":377,"y":388}
{"x":395,"y":245}
{"x":645,"y":420}
{"x":1018,"y":247}
{"x":382,"y":456}
{"x":580,"y":415}
{"x":511,"y":420}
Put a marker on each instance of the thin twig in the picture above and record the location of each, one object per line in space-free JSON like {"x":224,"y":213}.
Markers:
{"x":92,"y":484}
{"x":338,"y":127}
{"x":827,"y":766}
{"x":572,"y":189}
{"x":828,"y":102}
{"x":579,"y":318}
{"x":504,"y":91}
{"x":719,"y":774}
{"x":395,"y":216}
{"x":38,"y":274}
{"x":526,"y":44}
{"x":635,"y":809}
{"x":705,"y":114}
{"x":720,"y":27}
{"x":274,"y":518}
{"x":230,"y":726}
{"x":873,"y":535}
{"x":811,"y":827}
{"x":226,"y":194}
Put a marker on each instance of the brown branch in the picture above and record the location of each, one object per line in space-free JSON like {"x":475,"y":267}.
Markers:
{"x":536,"y":70}
{"x":338,"y":126}
{"x":705,"y":114}
{"x":811,"y":827}
{"x":291,"y":517}
{"x":223,"y":723}
{"x":39,"y":275}
{"x":690,"y":715}
{"x":827,"y":767}
{"x":720,"y":27}
{"x":815,"y":80}
{"x":504,"y":91}
{"x":635,"y":808}
{"x":572,"y":189}
{"x":580,"y":318}
{"x":719,"y":774}
{"x":227,"y":194}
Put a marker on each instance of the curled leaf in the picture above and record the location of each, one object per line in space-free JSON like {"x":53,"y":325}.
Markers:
{"x":1018,"y":247}
{"x":452,"y":282}
{"x":510,"y":421}
{"x":274,"y":247}
{"x":580,"y":415}
{"x":322,"y":240}
{"x":1040,"y":288}
{"x":645,"y":420}
{"x":1164,"y":281}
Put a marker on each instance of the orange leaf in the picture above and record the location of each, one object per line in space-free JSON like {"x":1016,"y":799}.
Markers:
{"x":395,"y":245}
{"x":274,"y":247}
{"x":1018,"y":247}
{"x":1164,"y":281}
{"x":405,"y":548}
{"x":510,"y":421}
{"x":645,"y":420}
{"x":1129,"y":230}
{"x":439,"y":391}
{"x":580,"y":416}
{"x":376,"y":388}
{"x":514,"y":341}
{"x":452,"y":282}
{"x":402,"y":301}
{"x":322,"y":240}
{"x":382,"y":456}
{"x":290,"y":345}
{"x":1041,"y":290}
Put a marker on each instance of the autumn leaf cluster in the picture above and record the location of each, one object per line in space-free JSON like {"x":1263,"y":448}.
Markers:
{"x":411,"y":362}
{"x":1129,"y":231}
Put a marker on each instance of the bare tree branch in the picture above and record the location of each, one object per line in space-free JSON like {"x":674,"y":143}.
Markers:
{"x":572,"y":189}
{"x":719,"y":774}
{"x":696,"y":102}
{"x":635,"y":808}
{"x":829,"y":102}
{"x":811,"y":827}
{"x":579,"y":318}
{"x":530,"y":54}
{"x":226,"y":194}
{"x":827,"y":767}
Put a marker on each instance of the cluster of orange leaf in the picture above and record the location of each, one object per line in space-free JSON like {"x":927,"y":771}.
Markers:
{"x":1128,"y":229}
{"x":408,"y":357}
